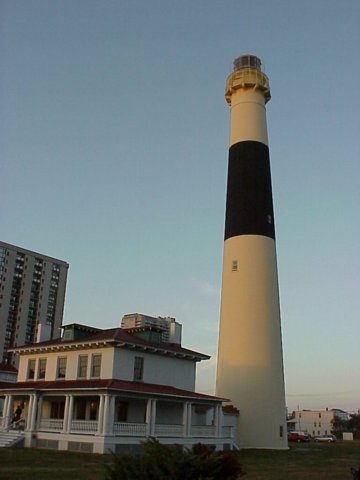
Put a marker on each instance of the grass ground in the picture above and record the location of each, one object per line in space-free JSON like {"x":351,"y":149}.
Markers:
{"x":305,"y":462}
{"x":312,"y":461}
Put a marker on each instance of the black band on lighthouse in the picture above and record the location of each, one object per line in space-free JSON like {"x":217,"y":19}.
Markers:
{"x":249,"y":206}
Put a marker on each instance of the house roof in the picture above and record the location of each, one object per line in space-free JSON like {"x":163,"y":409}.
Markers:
{"x":118,"y":337}
{"x":231,"y":410}
{"x":107,"y":384}
{"x":4,"y":367}
{"x":79,"y":326}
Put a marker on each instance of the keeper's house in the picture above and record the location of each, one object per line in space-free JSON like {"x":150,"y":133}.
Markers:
{"x":98,"y":390}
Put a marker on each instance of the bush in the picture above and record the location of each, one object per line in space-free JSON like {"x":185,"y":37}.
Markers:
{"x":163,"y":462}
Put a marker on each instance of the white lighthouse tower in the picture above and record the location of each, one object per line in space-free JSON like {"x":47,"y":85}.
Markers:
{"x":250,"y":365}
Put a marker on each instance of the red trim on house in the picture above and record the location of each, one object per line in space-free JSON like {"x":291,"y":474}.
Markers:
{"x":230,"y":409}
{"x":113,"y":335}
{"x":109,"y":384}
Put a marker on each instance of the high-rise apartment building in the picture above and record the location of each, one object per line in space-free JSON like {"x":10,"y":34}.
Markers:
{"x":32,"y":295}
{"x":169,"y":327}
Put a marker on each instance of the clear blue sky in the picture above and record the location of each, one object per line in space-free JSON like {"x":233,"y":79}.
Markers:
{"x":114,"y":138}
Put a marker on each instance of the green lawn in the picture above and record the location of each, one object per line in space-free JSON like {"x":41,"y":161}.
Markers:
{"x":305,"y":462}
{"x":311,"y":461}
{"x":36,"y":464}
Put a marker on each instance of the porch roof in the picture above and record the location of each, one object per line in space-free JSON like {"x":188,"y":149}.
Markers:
{"x":108,"y":385}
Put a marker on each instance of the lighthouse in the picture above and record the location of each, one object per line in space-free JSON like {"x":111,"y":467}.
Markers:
{"x":250,"y":364}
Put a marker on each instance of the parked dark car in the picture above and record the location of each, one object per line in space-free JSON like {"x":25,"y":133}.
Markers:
{"x":298,"y":437}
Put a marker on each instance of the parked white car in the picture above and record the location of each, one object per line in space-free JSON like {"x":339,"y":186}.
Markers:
{"x":325,"y":438}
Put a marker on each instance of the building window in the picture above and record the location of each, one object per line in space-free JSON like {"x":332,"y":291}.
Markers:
{"x":95,"y":365}
{"x":138,"y":368}
{"x":61,"y":367}
{"x":82,"y":366}
{"x":42,"y":368}
{"x":31,"y":369}
{"x":281,"y":431}
{"x":234,"y":266}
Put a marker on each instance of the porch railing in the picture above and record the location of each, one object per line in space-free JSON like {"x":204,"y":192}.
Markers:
{"x":86,"y":426}
{"x":51,"y":424}
{"x":2,"y":422}
{"x":135,"y":429}
{"x":227,"y":432}
{"x":130,"y":429}
{"x":169,"y":430}
{"x":203,"y":431}
{"x":18,"y":425}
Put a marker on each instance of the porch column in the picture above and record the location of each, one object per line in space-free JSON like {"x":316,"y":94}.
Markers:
{"x":3,"y":422}
{"x":112,"y":400}
{"x":187,"y":419}
{"x":29,"y":413}
{"x":70,"y":413}
{"x":66,"y":414}
{"x":101,"y":415}
{"x":40,"y":408}
{"x":153,"y":418}
{"x":9,"y":410}
{"x":218,"y":420}
{"x":106,"y":414}
{"x":32,"y":414}
{"x":148,"y":416}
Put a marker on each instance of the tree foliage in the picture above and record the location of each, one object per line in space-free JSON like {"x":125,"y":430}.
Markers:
{"x":172,"y":462}
{"x":352,"y":425}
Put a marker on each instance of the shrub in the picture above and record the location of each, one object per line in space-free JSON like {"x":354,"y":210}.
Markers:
{"x":163,"y":462}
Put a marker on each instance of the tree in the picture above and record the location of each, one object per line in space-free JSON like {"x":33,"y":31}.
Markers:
{"x":172,"y":462}
{"x":338,"y":426}
{"x":353,"y":425}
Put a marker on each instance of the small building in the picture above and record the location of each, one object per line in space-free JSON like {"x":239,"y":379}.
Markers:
{"x":100,"y":390}
{"x":170,"y":328}
{"x":315,"y":422}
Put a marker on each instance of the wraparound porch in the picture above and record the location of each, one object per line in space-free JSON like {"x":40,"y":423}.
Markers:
{"x":112,"y":421}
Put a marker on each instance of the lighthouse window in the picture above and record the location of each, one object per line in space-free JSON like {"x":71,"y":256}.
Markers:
{"x":234,"y":266}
